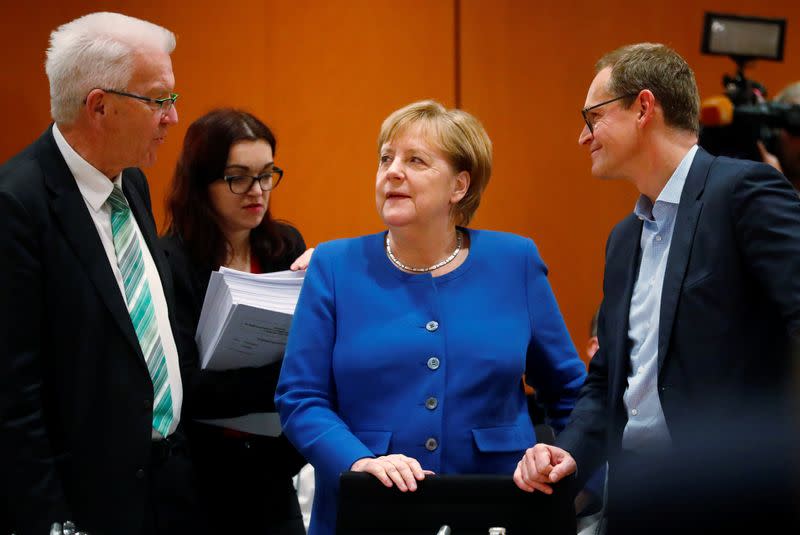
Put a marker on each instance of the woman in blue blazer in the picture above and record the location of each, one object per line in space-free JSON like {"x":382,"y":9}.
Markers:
{"x":407,"y":347}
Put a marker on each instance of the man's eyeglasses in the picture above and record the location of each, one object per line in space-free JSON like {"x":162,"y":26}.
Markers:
{"x":241,"y":184}
{"x":164,"y":104}
{"x":591,"y":120}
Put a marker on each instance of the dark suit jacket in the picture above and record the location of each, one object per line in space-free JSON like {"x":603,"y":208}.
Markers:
{"x":730,"y":306}
{"x":229,"y":393}
{"x":218,"y":394}
{"x":75,"y":393}
{"x":741,"y":478}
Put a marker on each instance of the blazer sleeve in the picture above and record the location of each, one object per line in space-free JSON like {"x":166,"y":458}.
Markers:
{"x":29,"y":483}
{"x":585,"y":436}
{"x":553,"y":367}
{"x":207,"y":393}
{"x":766,"y":212}
{"x":306,"y":394}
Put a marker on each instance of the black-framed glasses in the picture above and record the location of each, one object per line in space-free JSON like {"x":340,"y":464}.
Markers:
{"x":585,"y":111}
{"x":164,"y":104}
{"x":241,"y":184}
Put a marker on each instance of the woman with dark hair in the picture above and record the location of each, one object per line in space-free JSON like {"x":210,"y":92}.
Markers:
{"x":218,"y":215}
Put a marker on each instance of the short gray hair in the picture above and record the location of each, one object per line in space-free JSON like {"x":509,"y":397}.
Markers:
{"x":96,"y":51}
{"x":790,"y":94}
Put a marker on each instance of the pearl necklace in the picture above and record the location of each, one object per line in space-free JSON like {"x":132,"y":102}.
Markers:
{"x":437,"y":265}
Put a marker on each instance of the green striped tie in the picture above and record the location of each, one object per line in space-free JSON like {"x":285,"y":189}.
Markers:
{"x":140,"y":306}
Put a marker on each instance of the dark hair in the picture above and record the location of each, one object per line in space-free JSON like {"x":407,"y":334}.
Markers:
{"x":202,"y":160}
{"x":663,"y":71}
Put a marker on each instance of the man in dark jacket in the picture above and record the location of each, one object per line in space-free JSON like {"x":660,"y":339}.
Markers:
{"x":90,"y":385}
{"x":701,"y":288}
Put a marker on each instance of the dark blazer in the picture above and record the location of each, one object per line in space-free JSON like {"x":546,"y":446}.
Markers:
{"x":75,"y":393}
{"x":730,"y":307}
{"x":218,"y":394}
{"x":264,"y":468}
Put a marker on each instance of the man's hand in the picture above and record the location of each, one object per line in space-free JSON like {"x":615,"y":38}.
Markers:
{"x":541,"y":466}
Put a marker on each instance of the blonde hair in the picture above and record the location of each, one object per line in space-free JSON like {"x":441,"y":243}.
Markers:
{"x":96,"y":51}
{"x":456,"y":133}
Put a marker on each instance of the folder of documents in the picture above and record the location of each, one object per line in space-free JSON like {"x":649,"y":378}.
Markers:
{"x":246,"y":317}
{"x":245,"y":322}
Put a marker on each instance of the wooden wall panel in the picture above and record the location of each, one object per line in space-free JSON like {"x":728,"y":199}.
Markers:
{"x":526,"y":68}
{"x":341,"y":68}
{"x":324,"y":74}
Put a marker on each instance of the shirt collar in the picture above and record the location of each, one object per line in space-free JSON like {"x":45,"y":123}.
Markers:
{"x":671,"y":194}
{"x":95,"y":187}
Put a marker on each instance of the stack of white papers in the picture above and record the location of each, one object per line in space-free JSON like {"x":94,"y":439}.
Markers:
{"x":246,"y":317}
{"x":245,"y":323}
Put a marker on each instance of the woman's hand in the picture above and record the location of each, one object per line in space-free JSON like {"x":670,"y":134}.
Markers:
{"x":302,"y":261}
{"x":396,"y":468}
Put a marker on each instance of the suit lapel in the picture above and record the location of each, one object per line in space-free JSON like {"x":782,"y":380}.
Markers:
{"x":686,"y":220}
{"x":80,"y":232}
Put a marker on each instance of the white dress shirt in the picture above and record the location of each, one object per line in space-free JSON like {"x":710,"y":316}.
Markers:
{"x":95,"y":188}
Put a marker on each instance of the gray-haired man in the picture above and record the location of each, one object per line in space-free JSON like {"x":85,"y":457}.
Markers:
{"x":90,"y":385}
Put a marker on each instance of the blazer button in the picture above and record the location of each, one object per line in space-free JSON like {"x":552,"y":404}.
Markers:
{"x":432,"y":326}
{"x":433,"y":363}
{"x":431,"y":444}
{"x":140,"y":474}
{"x":431,"y":403}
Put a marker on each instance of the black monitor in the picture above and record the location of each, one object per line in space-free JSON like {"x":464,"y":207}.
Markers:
{"x":745,"y":38}
{"x":468,"y":504}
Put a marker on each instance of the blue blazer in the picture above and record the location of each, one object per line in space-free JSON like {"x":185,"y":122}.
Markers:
{"x":380,"y":361}
{"x":730,"y":308}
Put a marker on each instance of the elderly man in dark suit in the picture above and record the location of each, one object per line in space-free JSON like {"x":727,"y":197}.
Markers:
{"x":702,"y":282}
{"x":90,"y":384}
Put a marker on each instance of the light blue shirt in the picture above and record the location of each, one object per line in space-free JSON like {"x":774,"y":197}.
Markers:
{"x":646,"y":427}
